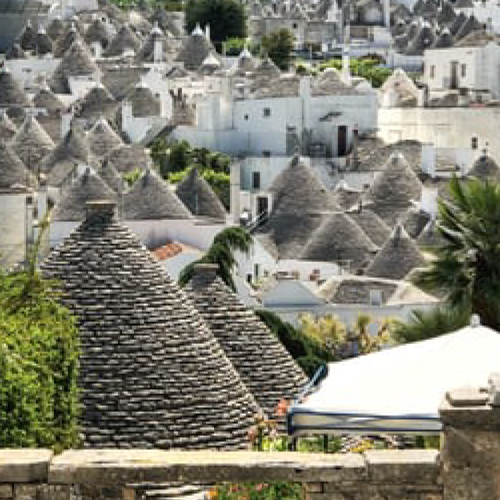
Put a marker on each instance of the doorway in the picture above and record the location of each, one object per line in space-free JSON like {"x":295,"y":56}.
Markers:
{"x":342,"y":140}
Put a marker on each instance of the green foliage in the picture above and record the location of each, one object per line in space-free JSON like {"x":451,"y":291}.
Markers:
{"x":179,"y":156}
{"x":369,"y":69}
{"x":227,"y":19}
{"x":336,"y":338}
{"x":307,"y":351}
{"x":424,"y":325}
{"x":259,"y":491}
{"x":233,"y":46}
{"x":278,"y":46}
{"x":221,"y":252}
{"x":467,"y":263}
{"x":169,"y":5}
{"x":132,"y":176}
{"x":38,"y":364}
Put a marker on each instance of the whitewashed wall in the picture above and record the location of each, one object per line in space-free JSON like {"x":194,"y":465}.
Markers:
{"x":444,"y":127}
{"x":13,"y":228}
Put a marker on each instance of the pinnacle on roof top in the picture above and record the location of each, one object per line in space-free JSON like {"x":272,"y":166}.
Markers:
{"x":265,"y":367}
{"x":151,"y":373}
{"x":197,"y":31}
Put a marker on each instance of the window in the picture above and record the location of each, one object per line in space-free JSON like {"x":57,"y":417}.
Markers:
{"x":256,"y":180}
{"x":295,"y":26}
{"x":463,"y":70}
{"x":246,"y":117}
{"x":375,"y":297}
{"x":474,"y":143}
{"x":433,"y":71}
{"x":266,"y":154}
{"x":266,"y":112}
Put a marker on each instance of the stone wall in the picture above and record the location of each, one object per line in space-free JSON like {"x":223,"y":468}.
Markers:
{"x":112,"y":474}
{"x":468,"y":467}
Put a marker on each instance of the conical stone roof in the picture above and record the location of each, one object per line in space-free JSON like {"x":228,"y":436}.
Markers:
{"x":264,"y":365}
{"x":297,"y":190}
{"x":457,"y":23}
{"x":199,"y":198}
{"x":27,"y":38}
{"x":444,"y":40}
{"x":97,"y":102}
{"x":125,"y":40}
{"x":372,"y":225}
{"x":97,"y":32}
{"x":111,"y":177}
{"x":55,"y":28}
{"x":150,"y":198}
{"x":73,"y":204}
{"x":485,"y":168}
{"x":77,"y":61}
{"x":46,"y":99}
{"x":165,"y":21}
{"x":15,"y":52}
{"x":144,"y":102}
{"x":397,"y":257}
{"x":128,"y":157}
{"x":32,"y":143}
{"x":394,"y":190}
{"x":194,"y":50}
{"x":43,"y":43}
{"x":7,"y":128}
{"x":151,"y":373}
{"x":339,"y":239}
{"x":71,"y":150}
{"x":470,"y":25}
{"x":66,"y":40}
{"x":12,"y":169}
{"x":11,"y":94}
{"x":102,"y":139}
{"x":267,"y":68}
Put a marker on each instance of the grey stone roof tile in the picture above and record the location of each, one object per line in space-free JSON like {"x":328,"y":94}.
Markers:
{"x":151,"y":373}
{"x":264,"y":365}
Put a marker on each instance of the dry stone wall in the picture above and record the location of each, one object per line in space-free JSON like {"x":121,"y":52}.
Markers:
{"x":467,"y":468}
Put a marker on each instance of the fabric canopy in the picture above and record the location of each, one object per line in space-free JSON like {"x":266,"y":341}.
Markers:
{"x":396,"y":390}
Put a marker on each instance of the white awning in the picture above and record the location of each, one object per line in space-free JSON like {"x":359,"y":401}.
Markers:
{"x":397,"y":390}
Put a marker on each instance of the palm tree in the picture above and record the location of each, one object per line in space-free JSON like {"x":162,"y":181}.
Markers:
{"x":467,"y":264}
{"x":424,"y":325}
{"x":221,"y":252}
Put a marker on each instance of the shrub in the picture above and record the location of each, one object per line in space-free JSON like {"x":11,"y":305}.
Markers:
{"x":38,"y":365}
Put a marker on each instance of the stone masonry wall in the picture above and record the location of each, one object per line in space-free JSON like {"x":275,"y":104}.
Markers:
{"x":467,"y":468}
{"x":111,"y":474}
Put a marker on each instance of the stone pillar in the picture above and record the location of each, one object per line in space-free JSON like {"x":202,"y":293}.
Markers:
{"x":470,"y":455}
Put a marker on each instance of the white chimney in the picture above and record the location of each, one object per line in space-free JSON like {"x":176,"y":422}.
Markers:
{"x":346,"y":69}
{"x":158,"y":50}
{"x":387,"y":13}
{"x":127,"y":116}
{"x":66,"y":119}
{"x":428,"y":201}
{"x":97,"y":50}
{"x":207,"y":32}
{"x":428,"y":160}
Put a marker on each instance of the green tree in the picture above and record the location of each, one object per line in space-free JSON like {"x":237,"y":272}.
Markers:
{"x":278,"y":46}
{"x":38,"y":362}
{"x":370,"y":69}
{"x":221,"y":252}
{"x":424,"y":325}
{"x":227,"y":19}
{"x":466,"y":268}
{"x":308,"y":352}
